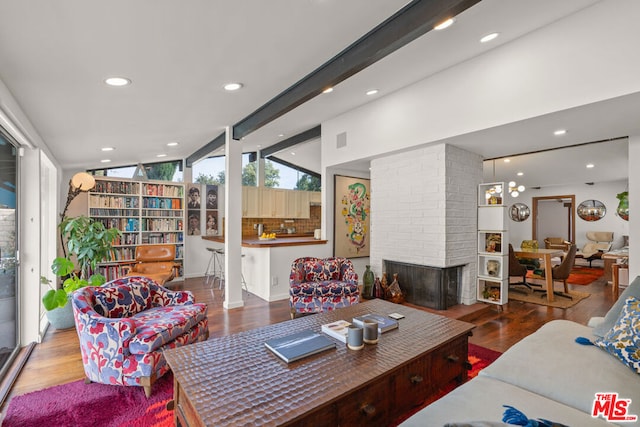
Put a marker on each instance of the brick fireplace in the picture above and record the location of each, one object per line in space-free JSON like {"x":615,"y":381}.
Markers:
{"x":424,"y":212}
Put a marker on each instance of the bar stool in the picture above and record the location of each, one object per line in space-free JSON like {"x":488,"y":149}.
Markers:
{"x":218,"y":267}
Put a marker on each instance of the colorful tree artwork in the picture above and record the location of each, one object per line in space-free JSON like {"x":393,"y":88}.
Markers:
{"x":352,"y":217}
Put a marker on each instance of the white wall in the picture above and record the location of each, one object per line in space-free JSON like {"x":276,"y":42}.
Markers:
{"x":500,"y":86}
{"x":603,"y":191}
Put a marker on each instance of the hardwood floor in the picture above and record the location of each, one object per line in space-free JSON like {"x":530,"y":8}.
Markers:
{"x":57,"y":359}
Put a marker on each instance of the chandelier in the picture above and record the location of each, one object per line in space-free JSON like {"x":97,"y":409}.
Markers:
{"x":515,"y":189}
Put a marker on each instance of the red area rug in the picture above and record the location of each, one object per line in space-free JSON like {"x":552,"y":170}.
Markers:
{"x":78,"y":404}
{"x":578,"y":276}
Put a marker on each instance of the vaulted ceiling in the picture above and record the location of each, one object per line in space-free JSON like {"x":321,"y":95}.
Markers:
{"x":56,"y":55}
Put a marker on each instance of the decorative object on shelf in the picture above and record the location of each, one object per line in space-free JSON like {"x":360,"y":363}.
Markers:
{"x":493,"y":242}
{"x":515,"y":189}
{"x":623,"y":206}
{"x":493,"y":267}
{"x":367,"y":281}
{"x":378,"y":292}
{"x":394,"y":293}
{"x":493,"y":195}
{"x":592,"y":210}
{"x":519,"y":212}
{"x":384,"y":282}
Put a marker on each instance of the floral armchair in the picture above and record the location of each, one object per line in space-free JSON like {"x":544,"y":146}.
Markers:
{"x":317,"y":285}
{"x":125,"y":325}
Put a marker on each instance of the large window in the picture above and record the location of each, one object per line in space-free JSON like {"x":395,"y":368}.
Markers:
{"x":162,"y":171}
{"x":277,"y":175}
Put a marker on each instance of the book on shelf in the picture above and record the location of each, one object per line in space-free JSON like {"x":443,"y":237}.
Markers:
{"x":338,"y":329}
{"x":384,"y":323}
{"x":299,"y":345}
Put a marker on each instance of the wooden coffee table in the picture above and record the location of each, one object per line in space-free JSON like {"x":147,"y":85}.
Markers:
{"x":236,"y":380}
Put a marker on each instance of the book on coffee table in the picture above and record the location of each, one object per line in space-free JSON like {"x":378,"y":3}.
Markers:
{"x":338,"y":329}
{"x":299,"y":345}
{"x":384,"y":323}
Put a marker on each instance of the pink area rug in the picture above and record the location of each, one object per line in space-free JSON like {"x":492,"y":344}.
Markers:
{"x":97,"y":405}
{"x":78,"y":404}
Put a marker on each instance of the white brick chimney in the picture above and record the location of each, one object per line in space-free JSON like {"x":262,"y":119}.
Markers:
{"x":424,"y":211}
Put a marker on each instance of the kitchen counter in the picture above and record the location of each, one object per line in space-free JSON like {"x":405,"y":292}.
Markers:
{"x":281,"y":240}
{"x":266,"y":264}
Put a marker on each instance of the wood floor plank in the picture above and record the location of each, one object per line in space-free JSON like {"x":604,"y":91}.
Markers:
{"x":57,"y":359}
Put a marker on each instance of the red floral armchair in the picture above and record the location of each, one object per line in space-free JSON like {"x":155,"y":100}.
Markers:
{"x":317,"y":285}
{"x":125,"y":325}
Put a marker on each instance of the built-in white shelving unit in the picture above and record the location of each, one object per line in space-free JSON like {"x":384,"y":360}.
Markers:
{"x":493,"y":245}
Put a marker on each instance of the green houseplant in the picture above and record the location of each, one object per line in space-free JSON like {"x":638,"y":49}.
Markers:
{"x":89,"y":242}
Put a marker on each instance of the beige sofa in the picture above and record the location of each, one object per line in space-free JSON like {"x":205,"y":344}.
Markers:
{"x":546,"y":375}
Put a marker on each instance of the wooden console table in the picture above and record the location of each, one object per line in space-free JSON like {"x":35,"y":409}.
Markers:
{"x":236,"y":380}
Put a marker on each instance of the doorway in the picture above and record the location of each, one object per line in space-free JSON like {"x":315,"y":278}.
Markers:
{"x":554,"y":216}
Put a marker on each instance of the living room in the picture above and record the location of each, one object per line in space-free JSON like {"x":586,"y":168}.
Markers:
{"x":436,"y":162}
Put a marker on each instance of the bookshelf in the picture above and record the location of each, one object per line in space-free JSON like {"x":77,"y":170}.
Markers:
{"x":493,"y":245}
{"x":145,"y":213}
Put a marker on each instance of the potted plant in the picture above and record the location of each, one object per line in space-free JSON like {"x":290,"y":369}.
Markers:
{"x":89,"y":242}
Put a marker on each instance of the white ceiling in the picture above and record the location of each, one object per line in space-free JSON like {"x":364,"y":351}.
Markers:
{"x":55,"y":55}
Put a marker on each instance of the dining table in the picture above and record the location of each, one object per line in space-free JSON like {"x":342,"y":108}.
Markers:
{"x":545,"y":255}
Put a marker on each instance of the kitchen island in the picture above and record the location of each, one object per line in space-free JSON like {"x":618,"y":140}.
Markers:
{"x":266,"y":264}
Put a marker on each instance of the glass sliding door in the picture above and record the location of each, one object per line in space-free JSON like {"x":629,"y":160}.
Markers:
{"x":9,"y":316}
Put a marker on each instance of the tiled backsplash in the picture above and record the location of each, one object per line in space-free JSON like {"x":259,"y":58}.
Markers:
{"x":302,"y":225}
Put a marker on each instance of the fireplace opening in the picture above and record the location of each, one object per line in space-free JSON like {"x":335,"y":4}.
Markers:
{"x":427,"y":286}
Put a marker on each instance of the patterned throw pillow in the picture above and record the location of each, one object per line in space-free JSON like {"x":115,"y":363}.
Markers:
{"x":623,"y":340}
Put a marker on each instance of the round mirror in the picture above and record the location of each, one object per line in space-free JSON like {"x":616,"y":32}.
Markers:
{"x":519,"y":212}
{"x":592,"y":210}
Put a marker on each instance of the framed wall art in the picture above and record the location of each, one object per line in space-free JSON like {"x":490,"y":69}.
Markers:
{"x":351,"y":234}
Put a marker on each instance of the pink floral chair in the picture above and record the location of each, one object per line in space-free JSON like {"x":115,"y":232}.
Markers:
{"x":317,"y":285}
{"x":125,"y":325}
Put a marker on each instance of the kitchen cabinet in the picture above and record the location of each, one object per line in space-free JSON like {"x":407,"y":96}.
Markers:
{"x":260,"y":202}
{"x":250,"y":202}
{"x":298,"y":204}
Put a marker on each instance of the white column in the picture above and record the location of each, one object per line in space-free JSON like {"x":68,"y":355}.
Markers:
{"x":233,"y":223}
{"x":260,"y":170}
{"x":634,"y":201}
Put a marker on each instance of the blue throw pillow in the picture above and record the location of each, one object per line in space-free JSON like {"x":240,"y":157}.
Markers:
{"x":633,"y":290}
{"x":623,"y":340}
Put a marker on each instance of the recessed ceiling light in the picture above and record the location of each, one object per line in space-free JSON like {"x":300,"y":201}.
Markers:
{"x":590,"y":165}
{"x":172,"y":144}
{"x":507,"y":160}
{"x":232,"y":86}
{"x":560,"y":132}
{"x":259,"y":146}
{"x":520,"y":173}
{"x":372,"y":92}
{"x":328,"y":90}
{"x":293,"y":153}
{"x":105,"y":160}
{"x":444,"y":24}
{"x":489,"y":37}
{"x":117,"y":81}
{"x":280,"y":135}
{"x":107,"y":149}
{"x":161,"y":155}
